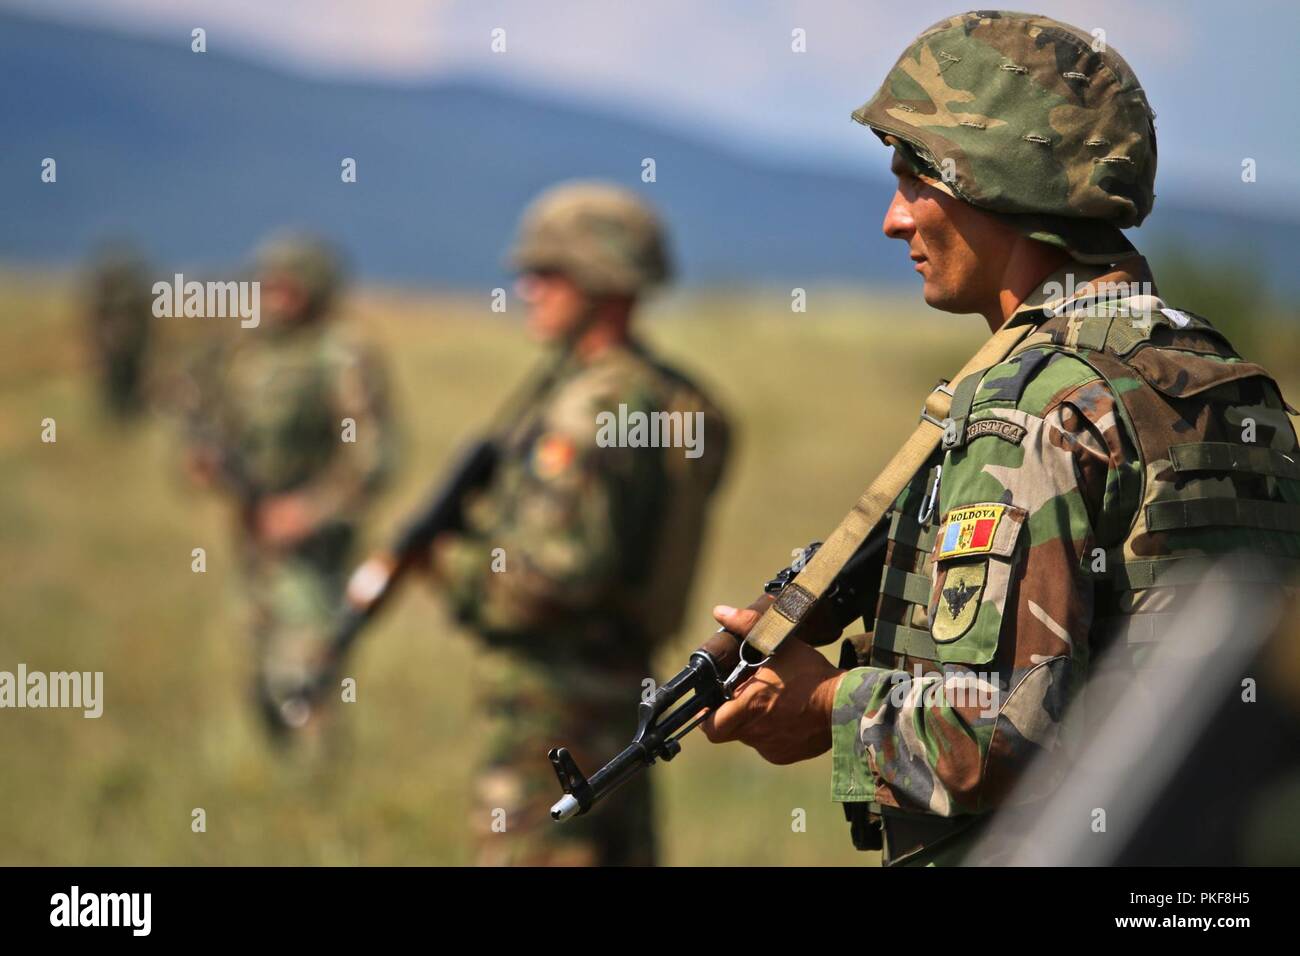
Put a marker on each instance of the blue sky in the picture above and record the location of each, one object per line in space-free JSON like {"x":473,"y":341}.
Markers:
{"x":1223,"y":79}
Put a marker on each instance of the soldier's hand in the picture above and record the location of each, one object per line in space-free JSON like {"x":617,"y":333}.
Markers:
{"x":434,"y":559}
{"x":284,"y":520}
{"x":784,"y":710}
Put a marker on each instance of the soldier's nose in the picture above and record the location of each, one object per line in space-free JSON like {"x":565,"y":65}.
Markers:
{"x":898,"y":222}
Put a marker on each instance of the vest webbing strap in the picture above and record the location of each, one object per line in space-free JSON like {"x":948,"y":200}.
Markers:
{"x":1093,"y":330}
{"x":1225,"y":512}
{"x":1225,"y":456}
{"x":907,"y":641}
{"x":1138,"y":575}
{"x":801,"y":594}
{"x":963,"y":397}
{"x":912,"y":588}
{"x":907,"y":530}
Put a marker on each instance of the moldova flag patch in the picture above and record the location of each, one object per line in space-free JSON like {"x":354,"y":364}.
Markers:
{"x":970,"y":531}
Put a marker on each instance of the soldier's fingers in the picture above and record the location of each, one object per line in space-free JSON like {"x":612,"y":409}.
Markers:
{"x":743,"y":619}
{"x":726,"y":722}
{"x":736,"y":620}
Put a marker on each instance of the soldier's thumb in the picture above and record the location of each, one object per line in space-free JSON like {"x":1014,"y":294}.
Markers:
{"x":737,"y":621}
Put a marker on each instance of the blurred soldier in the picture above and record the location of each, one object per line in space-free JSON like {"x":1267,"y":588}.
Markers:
{"x":119,"y":306}
{"x":1102,"y":445}
{"x":579,"y":554}
{"x":292,"y":422}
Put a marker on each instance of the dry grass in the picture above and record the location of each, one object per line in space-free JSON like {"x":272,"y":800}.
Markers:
{"x":95,"y":557}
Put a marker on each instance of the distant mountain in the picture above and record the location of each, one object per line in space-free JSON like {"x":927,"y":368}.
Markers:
{"x":200,"y":154}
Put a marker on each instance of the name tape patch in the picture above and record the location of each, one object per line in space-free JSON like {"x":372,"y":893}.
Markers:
{"x":970,"y":530}
{"x":1007,"y":431}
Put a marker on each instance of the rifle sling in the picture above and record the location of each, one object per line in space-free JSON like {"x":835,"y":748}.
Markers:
{"x":802,"y":594}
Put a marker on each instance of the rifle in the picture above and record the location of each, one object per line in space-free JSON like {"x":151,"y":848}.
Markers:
{"x":376,"y":578}
{"x":713,"y":672}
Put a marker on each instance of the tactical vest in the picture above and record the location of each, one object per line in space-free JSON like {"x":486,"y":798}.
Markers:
{"x":658,"y":562}
{"x":660,"y":603}
{"x":1220,"y":469}
{"x":278,"y":409}
{"x":1220,"y":475}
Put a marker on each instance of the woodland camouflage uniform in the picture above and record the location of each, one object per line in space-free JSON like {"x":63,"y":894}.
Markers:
{"x":271,"y":406}
{"x":597,"y":549}
{"x":1084,"y":480}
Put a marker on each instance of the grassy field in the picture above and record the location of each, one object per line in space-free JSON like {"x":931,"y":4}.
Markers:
{"x":95,"y":538}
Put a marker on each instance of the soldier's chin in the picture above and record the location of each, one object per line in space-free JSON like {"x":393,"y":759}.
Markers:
{"x":541,"y":332}
{"x":936,"y":296}
{"x":942,"y":298}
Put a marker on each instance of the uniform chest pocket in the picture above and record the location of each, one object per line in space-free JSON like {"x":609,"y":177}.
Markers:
{"x":973,"y":559}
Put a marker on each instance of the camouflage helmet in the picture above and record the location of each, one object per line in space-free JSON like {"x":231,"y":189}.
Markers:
{"x":310,"y":260}
{"x":1029,"y":117}
{"x":602,"y":236}
{"x":117,"y":256}
{"x":117,"y":264}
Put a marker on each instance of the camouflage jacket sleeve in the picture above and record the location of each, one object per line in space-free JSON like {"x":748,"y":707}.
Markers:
{"x":1047,"y":473}
{"x":194,"y":392}
{"x":368,"y":445}
{"x":559,"y":530}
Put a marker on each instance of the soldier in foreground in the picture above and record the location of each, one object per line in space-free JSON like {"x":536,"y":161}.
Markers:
{"x":577,"y":557}
{"x":1081,"y":476}
{"x":291,"y":422}
{"x":119,"y":307}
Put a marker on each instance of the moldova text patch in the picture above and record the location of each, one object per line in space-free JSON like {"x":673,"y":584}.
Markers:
{"x":970,"y":530}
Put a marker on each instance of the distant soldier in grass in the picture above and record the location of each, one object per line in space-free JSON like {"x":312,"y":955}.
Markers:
{"x":290,"y":420}
{"x":578,"y":556}
{"x":119,"y":307}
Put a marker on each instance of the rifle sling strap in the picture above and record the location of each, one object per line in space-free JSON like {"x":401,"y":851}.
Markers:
{"x":802,"y":594}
